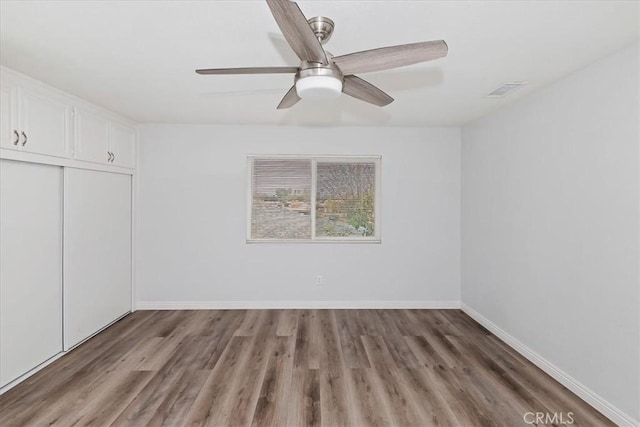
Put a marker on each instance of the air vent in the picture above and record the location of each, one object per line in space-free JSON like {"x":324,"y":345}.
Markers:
{"x":506,"y":89}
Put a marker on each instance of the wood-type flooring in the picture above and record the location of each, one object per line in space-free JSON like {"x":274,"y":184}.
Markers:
{"x":293,"y":368}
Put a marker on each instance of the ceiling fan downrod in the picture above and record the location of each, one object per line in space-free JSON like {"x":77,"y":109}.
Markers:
{"x":322,"y":27}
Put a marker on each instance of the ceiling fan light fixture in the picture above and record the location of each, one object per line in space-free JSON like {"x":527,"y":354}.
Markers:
{"x":319,"y":87}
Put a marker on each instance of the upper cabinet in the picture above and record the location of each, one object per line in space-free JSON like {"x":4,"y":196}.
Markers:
{"x":34,"y":121}
{"x":123,"y":145}
{"x":91,"y":136}
{"x":100,"y":140}
{"x":8,"y":134}
{"x":38,"y":119}
{"x":45,"y":123}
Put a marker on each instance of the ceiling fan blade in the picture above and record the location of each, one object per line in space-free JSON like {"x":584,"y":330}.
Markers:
{"x":289,"y":99}
{"x":249,"y":70}
{"x":365,"y":91}
{"x":385,"y":58}
{"x":296,"y":31}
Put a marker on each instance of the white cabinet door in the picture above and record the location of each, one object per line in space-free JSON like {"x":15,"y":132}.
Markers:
{"x":9,"y":136}
{"x":30,"y":266}
{"x":98,"y":251}
{"x":45,"y":122}
{"x":91,"y":137}
{"x":123,"y":145}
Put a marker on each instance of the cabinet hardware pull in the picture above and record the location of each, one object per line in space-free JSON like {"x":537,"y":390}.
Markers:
{"x":114,"y":157}
{"x":15,"y":132}
{"x":25,"y":139}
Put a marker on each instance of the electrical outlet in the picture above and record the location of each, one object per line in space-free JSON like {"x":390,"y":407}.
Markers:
{"x":319,"y":280}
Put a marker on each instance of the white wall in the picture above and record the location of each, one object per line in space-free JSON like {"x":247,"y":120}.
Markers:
{"x":192,"y":220}
{"x":550,"y":225}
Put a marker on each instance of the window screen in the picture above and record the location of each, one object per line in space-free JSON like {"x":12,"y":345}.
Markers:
{"x":345,"y":194}
{"x":314,"y":199}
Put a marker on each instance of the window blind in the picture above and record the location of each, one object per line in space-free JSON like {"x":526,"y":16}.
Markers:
{"x":281,"y":199}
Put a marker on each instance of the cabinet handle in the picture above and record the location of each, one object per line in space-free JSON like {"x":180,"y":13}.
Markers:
{"x":114,"y":157}
{"x":108,"y":156}
{"x":15,"y":132}
{"x":24,"y":135}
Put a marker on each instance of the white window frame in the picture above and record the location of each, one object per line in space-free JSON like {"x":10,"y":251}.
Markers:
{"x":376,"y":160}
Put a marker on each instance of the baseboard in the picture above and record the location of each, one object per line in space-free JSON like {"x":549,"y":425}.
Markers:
{"x":586,"y":394}
{"x":252,"y":305}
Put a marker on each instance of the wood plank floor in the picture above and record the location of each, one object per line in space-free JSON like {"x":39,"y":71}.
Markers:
{"x":292,"y":368}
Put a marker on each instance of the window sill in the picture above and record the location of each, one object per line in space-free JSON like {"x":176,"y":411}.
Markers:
{"x":317,"y":240}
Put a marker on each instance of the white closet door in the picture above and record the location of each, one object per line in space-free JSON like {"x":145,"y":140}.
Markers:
{"x":30,"y":266}
{"x":98,"y":251}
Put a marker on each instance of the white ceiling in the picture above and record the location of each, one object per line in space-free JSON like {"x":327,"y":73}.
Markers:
{"x":138,"y":57}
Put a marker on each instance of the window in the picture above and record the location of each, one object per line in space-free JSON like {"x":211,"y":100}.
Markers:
{"x":302,"y":199}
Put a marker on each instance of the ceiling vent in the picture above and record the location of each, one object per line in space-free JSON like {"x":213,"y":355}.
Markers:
{"x":506,"y":89}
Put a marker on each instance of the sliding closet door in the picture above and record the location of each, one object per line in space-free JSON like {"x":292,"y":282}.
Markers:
{"x":98,"y":251}
{"x":30,"y":266}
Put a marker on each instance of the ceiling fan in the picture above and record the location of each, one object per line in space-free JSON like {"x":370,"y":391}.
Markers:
{"x":322,"y":75}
